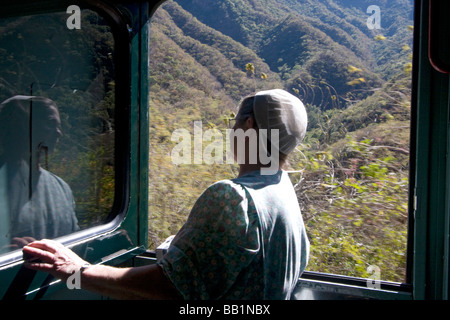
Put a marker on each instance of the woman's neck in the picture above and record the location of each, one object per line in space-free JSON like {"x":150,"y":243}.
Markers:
{"x":246,"y":168}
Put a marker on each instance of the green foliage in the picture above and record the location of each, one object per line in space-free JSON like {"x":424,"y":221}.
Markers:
{"x":355,"y":206}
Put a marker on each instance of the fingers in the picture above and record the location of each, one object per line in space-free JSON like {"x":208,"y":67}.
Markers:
{"x":43,"y":255}
{"x":36,"y":258}
{"x":32,"y":253}
{"x":46,"y":245}
{"x":52,"y":257}
{"x":39,"y":266}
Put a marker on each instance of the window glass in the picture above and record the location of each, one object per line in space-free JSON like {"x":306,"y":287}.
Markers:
{"x":349,"y":61}
{"x":56,"y":125}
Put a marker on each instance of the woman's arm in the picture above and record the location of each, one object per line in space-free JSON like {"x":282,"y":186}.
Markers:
{"x":147,"y":282}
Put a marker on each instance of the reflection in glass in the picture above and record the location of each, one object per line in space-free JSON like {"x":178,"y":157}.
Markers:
{"x":56,"y":126}
{"x":39,"y":203}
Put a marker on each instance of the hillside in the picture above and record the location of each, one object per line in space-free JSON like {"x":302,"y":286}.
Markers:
{"x":292,"y":42}
{"x":355,"y":82}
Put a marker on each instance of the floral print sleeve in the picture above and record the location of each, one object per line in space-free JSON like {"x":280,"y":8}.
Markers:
{"x":219,"y":240}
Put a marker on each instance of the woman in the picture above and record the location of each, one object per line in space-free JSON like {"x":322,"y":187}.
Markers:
{"x":244,"y":238}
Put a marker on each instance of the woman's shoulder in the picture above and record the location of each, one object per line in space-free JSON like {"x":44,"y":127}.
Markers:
{"x":219,"y":201}
{"x":225,"y":188}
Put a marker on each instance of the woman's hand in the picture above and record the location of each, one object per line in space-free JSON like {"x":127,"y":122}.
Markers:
{"x":146,"y":282}
{"x":52,"y":257}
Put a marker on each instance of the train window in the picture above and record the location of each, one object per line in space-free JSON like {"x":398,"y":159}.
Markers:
{"x":57,"y":125}
{"x":350,"y":64}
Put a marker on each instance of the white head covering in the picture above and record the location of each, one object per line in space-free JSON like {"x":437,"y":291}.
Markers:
{"x":278,"y":109}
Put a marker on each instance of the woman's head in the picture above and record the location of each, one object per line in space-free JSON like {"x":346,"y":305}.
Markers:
{"x":277,"y":117}
{"x":279,"y":110}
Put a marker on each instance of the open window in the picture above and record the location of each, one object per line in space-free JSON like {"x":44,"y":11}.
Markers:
{"x":349,"y":63}
{"x":62,"y":164}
